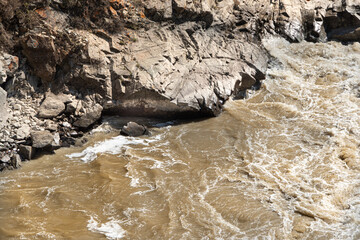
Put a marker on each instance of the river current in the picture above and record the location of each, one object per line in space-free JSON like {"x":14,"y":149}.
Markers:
{"x":282,"y":164}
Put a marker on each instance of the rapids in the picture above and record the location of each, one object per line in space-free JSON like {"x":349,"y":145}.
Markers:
{"x":281,"y":164}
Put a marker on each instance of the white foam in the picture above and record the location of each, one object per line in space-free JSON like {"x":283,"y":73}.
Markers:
{"x":111,"y":146}
{"x":112,"y":229}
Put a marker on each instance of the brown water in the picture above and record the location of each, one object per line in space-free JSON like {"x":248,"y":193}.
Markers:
{"x":283,"y":164}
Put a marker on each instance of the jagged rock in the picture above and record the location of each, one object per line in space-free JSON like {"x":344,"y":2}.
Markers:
{"x":51,"y":107}
{"x":157,"y":76}
{"x":26,"y":152}
{"x":41,"y":54}
{"x":5,"y":159}
{"x":204,"y":52}
{"x":51,"y":125}
{"x":45,"y":50}
{"x":45,"y":139}
{"x":66,"y":125}
{"x":134,"y":130}
{"x":68,"y":141}
{"x":74,"y":107}
{"x":8,"y":65}
{"x":23,"y":132}
{"x":15,"y":161}
{"x":92,"y":68}
{"x":92,"y":114}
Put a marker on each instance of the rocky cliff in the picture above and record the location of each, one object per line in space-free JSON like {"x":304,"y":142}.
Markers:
{"x":64,"y":63}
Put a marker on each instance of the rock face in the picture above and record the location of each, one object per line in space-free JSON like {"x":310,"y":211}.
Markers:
{"x":178,"y":69}
{"x":133,"y":129}
{"x":342,"y":21}
{"x":195,"y":55}
{"x":165,"y":74}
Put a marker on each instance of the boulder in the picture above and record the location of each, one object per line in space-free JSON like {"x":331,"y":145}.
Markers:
{"x":73,"y":107}
{"x":51,"y":107}
{"x":8,"y":65}
{"x":134,"y":130}
{"x":91,"y":115}
{"x":10,"y":161}
{"x":5,"y":159}
{"x":15,"y":161}
{"x":23,"y":132}
{"x":158,"y":76}
{"x":45,"y":139}
{"x":26,"y":152}
{"x":67,"y":141}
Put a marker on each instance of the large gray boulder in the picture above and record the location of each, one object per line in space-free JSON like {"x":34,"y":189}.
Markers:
{"x":26,"y":152}
{"x":45,"y":140}
{"x":52,"y":106}
{"x":170,"y":71}
{"x":185,"y":70}
{"x":134,"y":129}
{"x":91,"y":115}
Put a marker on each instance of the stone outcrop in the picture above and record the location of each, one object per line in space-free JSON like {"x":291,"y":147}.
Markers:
{"x":134,"y":129}
{"x":189,"y":67}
